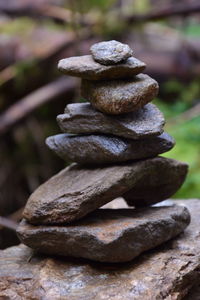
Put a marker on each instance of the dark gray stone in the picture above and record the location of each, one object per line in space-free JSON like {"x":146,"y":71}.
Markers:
{"x":167,"y":272}
{"x":120,"y":96}
{"x":158,"y":185}
{"x":110,"y":52}
{"x":108,"y":235}
{"x":76,"y":191}
{"x":83,"y":118}
{"x":102,"y":149}
{"x":194,"y":293}
{"x":85,"y":67}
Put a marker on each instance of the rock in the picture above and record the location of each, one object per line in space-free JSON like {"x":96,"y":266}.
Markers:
{"x":85,"y":67}
{"x":83,"y":118}
{"x":108,"y":235}
{"x":194,"y":293}
{"x":102,"y":149}
{"x":116,"y":203}
{"x":120,"y":96}
{"x":167,"y":202}
{"x":110,"y":52}
{"x":76,"y":191}
{"x":160,"y":184}
{"x":167,"y":272}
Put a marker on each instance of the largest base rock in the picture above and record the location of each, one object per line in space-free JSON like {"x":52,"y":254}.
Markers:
{"x":108,"y":235}
{"x":166,"y":273}
{"x":77,"y":191}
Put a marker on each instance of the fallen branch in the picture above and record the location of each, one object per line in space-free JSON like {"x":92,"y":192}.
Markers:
{"x":8,"y":75}
{"x":36,"y":10}
{"x":17,"y":215}
{"x":47,"y":11}
{"x":176,"y":10}
{"x":5,"y":222}
{"x":67,"y":16}
{"x":37,"y":98}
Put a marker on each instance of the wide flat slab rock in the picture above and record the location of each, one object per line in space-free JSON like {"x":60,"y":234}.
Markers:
{"x":83,"y":118}
{"x":76,"y":191}
{"x":86,"y":68}
{"x":166,"y":273}
{"x":110,"y":52}
{"x":120,"y":96}
{"x":108,"y":235}
{"x":102,"y":149}
{"x":162,"y":183}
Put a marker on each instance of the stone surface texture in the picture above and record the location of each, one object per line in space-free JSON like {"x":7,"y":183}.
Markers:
{"x":85,"y":67}
{"x":102,"y":149}
{"x":76,"y":191}
{"x":162,"y":183}
{"x":108,"y":235}
{"x":166,"y":273}
{"x":120,"y":96}
{"x":194,"y":293}
{"x":110,"y":52}
{"x":83,"y":118}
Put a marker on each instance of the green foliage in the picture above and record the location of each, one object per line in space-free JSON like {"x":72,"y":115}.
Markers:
{"x":23,"y":69}
{"x":141,"y":6}
{"x":171,"y":110}
{"x":19,"y":26}
{"x":187,"y":148}
{"x":182,"y":93}
{"x":192,"y":29}
{"x":84,"y":6}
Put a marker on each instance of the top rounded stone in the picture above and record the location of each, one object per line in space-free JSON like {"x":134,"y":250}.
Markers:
{"x":110,"y":52}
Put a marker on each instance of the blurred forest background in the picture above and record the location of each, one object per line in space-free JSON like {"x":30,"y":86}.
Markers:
{"x":34,"y":35}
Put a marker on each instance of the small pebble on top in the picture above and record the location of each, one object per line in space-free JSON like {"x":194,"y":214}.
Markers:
{"x":110,"y":52}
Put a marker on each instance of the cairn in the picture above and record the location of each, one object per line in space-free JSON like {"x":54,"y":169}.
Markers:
{"x":114,"y":140}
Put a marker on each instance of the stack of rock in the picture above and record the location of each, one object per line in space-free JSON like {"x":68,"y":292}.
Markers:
{"x":114,"y":141}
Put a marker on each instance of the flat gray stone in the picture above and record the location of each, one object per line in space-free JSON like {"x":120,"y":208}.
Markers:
{"x":163,"y":182}
{"x":76,"y":191}
{"x":120,"y":96}
{"x":108,"y":235}
{"x":83,"y":118}
{"x":102,"y":149}
{"x":85,"y":67}
{"x":165,"y":273}
{"x":110,"y":52}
